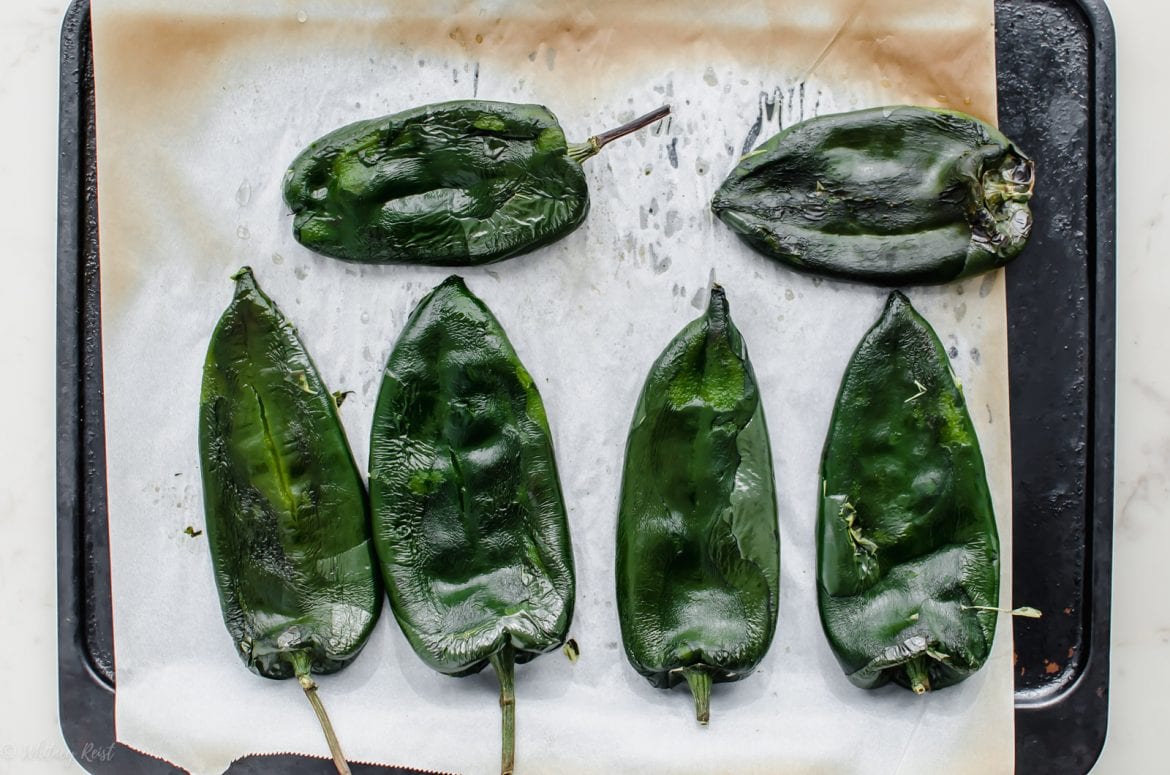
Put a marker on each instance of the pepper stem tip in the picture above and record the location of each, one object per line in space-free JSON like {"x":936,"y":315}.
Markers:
{"x":916,"y":671}
{"x":699,"y":681}
{"x":504,"y":663}
{"x":310,"y":687}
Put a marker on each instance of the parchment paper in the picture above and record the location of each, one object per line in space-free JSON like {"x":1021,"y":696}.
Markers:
{"x":201,"y":106}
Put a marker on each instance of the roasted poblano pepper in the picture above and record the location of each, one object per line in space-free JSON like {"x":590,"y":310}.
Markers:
{"x":469,"y":523}
{"x":698,"y":547}
{"x":888,"y":196}
{"x":907,"y":548}
{"x":452,"y":184}
{"x":287,"y":517}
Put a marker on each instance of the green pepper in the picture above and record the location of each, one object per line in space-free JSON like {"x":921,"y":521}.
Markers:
{"x":698,"y":546}
{"x":907,"y":548}
{"x":453,"y":184}
{"x":285,"y":505}
{"x":469,"y":523}
{"x":887,"y":196}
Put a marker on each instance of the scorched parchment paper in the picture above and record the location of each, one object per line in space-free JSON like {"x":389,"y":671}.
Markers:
{"x":201,"y":107}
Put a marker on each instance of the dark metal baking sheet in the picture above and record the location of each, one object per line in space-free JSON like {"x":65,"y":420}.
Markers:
{"x":1055,"y":63}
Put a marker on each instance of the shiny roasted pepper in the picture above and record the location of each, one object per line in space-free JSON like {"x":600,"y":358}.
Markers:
{"x":907,"y":548}
{"x":453,"y":184}
{"x":888,"y":196}
{"x":698,"y":545}
{"x":469,"y":523}
{"x":286,"y":510}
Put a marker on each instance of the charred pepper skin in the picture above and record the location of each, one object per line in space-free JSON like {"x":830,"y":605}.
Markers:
{"x":457,"y":183}
{"x":887,"y":196}
{"x":469,"y":522}
{"x":286,"y":511}
{"x":907,"y":547}
{"x":698,"y":543}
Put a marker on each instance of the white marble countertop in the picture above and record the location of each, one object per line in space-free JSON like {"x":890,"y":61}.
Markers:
{"x":30,"y":738}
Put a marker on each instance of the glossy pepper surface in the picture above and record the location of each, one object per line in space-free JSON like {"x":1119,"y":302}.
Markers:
{"x":469,"y":522}
{"x":286,"y":510}
{"x":889,"y":196}
{"x":698,"y":546}
{"x":907,"y":548}
{"x":453,"y":184}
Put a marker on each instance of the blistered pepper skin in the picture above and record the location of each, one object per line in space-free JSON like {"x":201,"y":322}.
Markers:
{"x":286,"y":510}
{"x":469,"y":522}
{"x":698,"y":544}
{"x":887,"y":196}
{"x":457,"y":183}
{"x":907,"y":546}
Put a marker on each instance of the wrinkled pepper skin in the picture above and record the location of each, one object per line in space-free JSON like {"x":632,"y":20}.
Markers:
{"x":286,"y":511}
{"x":887,"y":196}
{"x":907,"y":548}
{"x":469,"y":522}
{"x":698,"y":544}
{"x":457,"y":183}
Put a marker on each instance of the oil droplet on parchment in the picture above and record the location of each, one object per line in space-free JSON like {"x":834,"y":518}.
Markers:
{"x":243,"y":233}
{"x":302,"y":17}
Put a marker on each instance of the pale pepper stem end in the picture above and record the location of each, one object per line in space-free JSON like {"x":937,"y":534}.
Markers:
{"x":919,"y":677}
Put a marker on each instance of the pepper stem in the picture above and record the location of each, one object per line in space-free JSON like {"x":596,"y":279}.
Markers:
{"x":579,"y":152}
{"x":700,"y":682}
{"x":301,"y":665}
{"x":917,"y":673}
{"x":504,"y":663}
